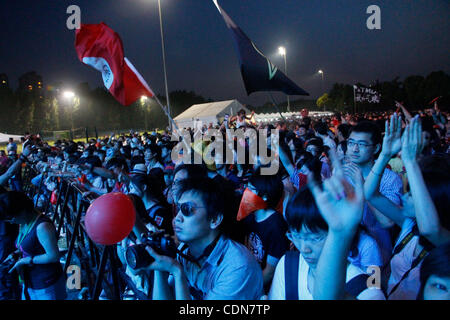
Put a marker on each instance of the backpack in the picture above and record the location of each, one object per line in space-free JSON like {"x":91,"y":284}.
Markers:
{"x":291,"y":264}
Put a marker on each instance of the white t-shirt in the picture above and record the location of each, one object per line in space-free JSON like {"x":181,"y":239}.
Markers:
{"x":401,"y":263}
{"x":278,"y":291}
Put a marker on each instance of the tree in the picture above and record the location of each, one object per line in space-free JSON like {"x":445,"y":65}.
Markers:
{"x":323,"y":101}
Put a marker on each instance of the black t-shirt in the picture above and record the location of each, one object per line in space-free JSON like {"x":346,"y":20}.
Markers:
{"x":267,"y":237}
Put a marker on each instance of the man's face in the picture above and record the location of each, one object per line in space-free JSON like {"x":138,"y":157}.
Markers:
{"x":437,"y":288}
{"x":194,"y":228}
{"x":178,"y":177}
{"x":302,"y":131}
{"x":360,"y":149}
{"x":310,"y":244}
{"x":340,"y":153}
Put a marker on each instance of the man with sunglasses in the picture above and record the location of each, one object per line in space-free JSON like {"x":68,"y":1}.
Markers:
{"x":363,"y":146}
{"x":219,"y":268}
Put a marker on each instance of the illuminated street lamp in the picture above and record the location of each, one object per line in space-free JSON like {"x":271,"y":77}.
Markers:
{"x":321,"y":73}
{"x":144,"y":100}
{"x":69,"y":95}
{"x":282,"y":51}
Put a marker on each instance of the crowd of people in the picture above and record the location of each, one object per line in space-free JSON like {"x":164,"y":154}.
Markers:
{"x":359,"y":209}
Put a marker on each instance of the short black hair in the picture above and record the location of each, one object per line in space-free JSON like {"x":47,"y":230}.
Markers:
{"x":370,"y":128}
{"x":270,"y":186}
{"x":321,"y":128}
{"x":194,"y":171}
{"x":117,"y":162}
{"x":437,"y":263}
{"x":209,"y":192}
{"x":344,"y":129}
{"x":302,"y":210}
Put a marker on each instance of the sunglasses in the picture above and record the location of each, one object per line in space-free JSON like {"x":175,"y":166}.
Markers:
{"x":187,"y":208}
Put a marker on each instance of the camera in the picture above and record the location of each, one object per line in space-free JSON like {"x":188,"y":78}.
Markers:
{"x":137,"y":257}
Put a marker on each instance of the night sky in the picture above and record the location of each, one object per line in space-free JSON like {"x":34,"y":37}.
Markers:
{"x":318,"y":34}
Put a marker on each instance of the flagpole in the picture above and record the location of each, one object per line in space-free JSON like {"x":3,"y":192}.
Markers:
{"x":164,"y":62}
{"x":354,"y":100}
{"x":276,"y":105}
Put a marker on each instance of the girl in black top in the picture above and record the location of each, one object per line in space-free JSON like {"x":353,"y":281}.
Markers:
{"x":39,"y":266}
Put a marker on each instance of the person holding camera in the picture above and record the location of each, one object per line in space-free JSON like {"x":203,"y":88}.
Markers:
{"x":218,"y":268}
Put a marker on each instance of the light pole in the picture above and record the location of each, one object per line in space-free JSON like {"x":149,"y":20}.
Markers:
{"x":321,"y":72}
{"x":164,"y":62}
{"x":144,"y":105}
{"x":69,"y":95}
{"x":282,"y":51}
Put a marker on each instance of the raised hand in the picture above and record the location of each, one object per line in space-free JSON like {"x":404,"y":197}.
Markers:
{"x":412,"y":141}
{"x":392,"y":142}
{"x":340,"y":204}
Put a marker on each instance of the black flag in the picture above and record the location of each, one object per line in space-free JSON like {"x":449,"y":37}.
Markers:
{"x":258,"y":73}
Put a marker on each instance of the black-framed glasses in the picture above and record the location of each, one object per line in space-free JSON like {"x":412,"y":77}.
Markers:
{"x":188,"y":208}
{"x":362,"y":145}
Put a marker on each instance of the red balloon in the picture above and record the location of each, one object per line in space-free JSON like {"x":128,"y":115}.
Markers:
{"x":110,"y":218}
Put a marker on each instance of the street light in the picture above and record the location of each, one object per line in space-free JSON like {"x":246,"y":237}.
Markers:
{"x":69,"y":95}
{"x":144,"y":105}
{"x":282,"y":51}
{"x":164,"y":62}
{"x":321,"y":72}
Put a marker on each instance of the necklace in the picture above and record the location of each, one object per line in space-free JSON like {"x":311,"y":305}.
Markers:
{"x":29,"y":226}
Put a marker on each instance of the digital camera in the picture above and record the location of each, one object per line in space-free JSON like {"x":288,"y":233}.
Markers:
{"x":137,"y":257}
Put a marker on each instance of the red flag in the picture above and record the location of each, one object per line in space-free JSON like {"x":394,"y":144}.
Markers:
{"x":100,"y":47}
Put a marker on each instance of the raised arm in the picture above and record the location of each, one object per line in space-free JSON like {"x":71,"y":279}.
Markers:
{"x":391,"y":146}
{"x":426,"y":214}
{"x":341,"y":206}
{"x":15,"y":166}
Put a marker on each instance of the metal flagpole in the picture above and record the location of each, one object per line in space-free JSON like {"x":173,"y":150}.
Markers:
{"x":354,"y":100}
{"x":276,"y":105}
{"x":164,"y":62}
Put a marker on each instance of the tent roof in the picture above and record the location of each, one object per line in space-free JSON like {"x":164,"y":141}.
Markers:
{"x":210,"y":109}
{"x":4,"y":137}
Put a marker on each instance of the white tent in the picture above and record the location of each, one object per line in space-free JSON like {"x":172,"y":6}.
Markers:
{"x":4,"y":137}
{"x":206,"y":113}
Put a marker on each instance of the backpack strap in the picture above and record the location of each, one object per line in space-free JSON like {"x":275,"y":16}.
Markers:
{"x":356,"y":285}
{"x":291,"y":264}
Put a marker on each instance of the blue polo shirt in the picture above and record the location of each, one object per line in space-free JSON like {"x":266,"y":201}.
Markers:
{"x":230,"y":272}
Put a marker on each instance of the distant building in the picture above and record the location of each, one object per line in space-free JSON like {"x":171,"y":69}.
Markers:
{"x":31,"y":82}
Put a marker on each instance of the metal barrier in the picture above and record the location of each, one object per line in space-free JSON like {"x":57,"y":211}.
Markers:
{"x":67,"y":215}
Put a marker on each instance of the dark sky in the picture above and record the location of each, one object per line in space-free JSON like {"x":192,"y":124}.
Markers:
{"x":318,"y":34}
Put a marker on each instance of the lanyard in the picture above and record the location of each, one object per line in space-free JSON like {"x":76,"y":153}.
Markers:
{"x":22,"y":235}
{"x":414,"y":264}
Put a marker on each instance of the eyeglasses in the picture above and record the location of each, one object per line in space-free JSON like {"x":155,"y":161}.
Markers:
{"x":296,"y":236}
{"x":352,"y":143}
{"x":187,"y":208}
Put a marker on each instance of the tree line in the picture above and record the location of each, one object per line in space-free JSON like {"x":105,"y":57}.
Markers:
{"x":414,"y":91}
